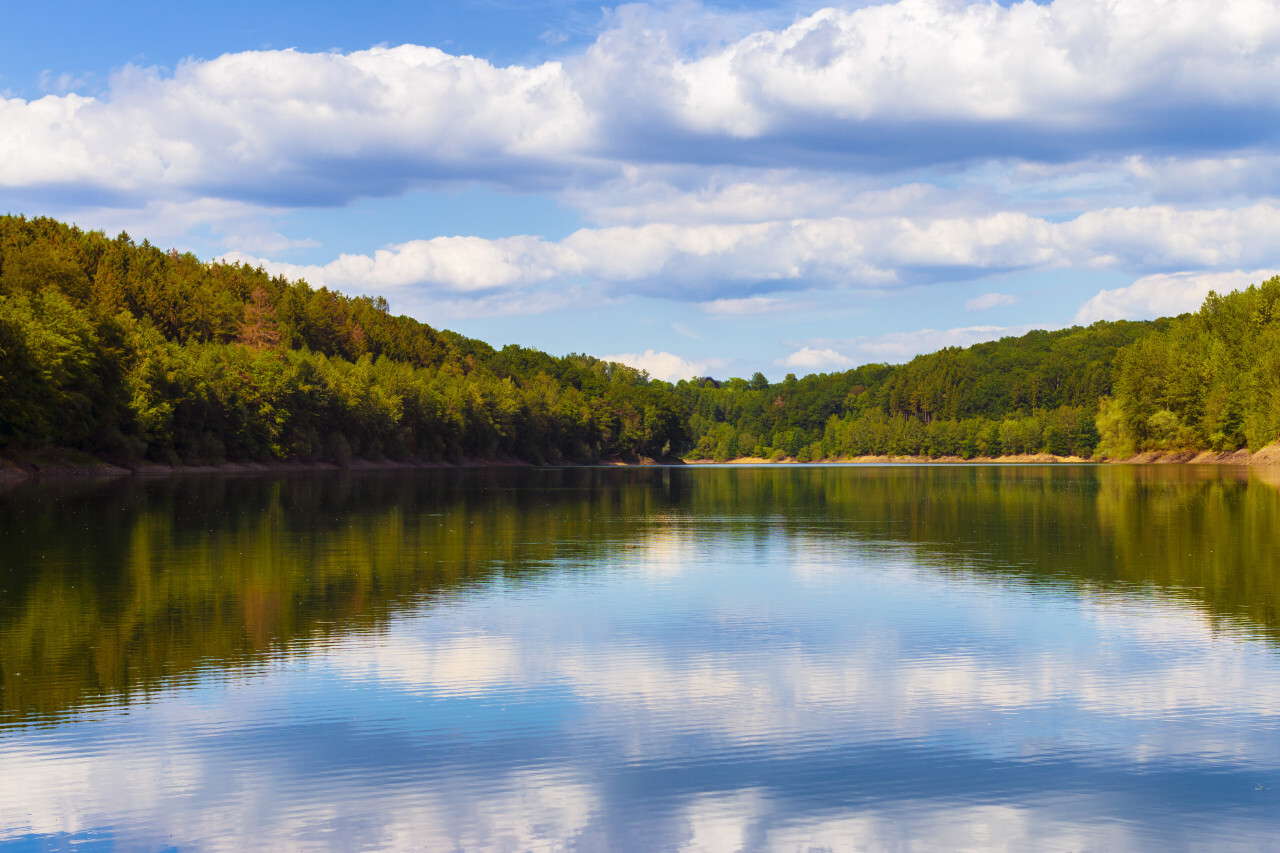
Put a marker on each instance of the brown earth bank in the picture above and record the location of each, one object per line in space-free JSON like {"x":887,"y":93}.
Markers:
{"x":66,"y":463}
{"x":56,"y":463}
{"x":1025,"y":459}
{"x":54,"y":466}
{"x":1269,"y":455}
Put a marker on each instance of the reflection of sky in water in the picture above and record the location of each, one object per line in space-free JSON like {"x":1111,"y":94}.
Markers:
{"x":701,"y":688}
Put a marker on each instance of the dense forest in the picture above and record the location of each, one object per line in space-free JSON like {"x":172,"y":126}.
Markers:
{"x":1204,"y":381}
{"x":129,"y":353}
{"x":1032,"y":394}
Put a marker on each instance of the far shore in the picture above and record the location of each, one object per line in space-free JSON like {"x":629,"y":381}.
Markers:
{"x":25,"y":469}
{"x":79,"y":465}
{"x":1269,"y":455}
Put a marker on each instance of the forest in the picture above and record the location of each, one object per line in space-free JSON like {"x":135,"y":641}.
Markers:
{"x":129,"y":353}
{"x":1038,"y":393}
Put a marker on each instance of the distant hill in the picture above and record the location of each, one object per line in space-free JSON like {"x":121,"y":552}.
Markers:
{"x":130,"y":353}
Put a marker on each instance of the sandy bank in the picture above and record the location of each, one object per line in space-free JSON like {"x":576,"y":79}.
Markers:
{"x":1269,"y":455}
{"x":25,"y":469}
{"x":65,"y":464}
{"x":79,"y":465}
{"x":1024,"y":459}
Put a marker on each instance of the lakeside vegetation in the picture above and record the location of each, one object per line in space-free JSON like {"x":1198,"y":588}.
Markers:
{"x":122,"y":350}
{"x":129,"y":353}
{"x":1037,"y":393}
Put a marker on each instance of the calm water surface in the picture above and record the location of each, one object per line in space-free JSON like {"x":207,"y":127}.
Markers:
{"x":775,"y":658}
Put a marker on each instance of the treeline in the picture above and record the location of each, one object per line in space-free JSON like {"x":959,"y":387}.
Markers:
{"x":1205,"y":381}
{"x":125,"y":351}
{"x":1038,"y":393}
{"x":122,"y":350}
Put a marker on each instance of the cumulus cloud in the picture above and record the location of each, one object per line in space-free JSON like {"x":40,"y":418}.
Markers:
{"x":301,"y":127}
{"x":1055,"y":70}
{"x":665,"y":365}
{"x":988,"y":301}
{"x":1162,"y":236}
{"x":718,"y":159}
{"x":1068,"y":80}
{"x":1164,"y":295}
{"x":712,"y":264}
{"x":808,"y":358}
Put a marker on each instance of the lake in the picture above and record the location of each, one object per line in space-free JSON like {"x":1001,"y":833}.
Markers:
{"x":689,"y":658}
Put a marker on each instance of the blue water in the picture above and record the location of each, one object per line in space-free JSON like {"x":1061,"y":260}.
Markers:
{"x":688,"y":660}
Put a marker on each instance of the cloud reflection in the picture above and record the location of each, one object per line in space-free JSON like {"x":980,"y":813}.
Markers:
{"x":714,"y":687}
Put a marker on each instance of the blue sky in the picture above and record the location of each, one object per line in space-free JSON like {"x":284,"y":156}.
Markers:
{"x":693,"y":188}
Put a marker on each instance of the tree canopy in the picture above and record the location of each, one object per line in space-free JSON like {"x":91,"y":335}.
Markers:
{"x":121,"y":349}
{"x":127,"y":351}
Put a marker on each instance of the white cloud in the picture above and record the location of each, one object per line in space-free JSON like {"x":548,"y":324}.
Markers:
{"x":291,"y":124}
{"x":1242,"y":174}
{"x":1048,"y":83}
{"x":665,"y":365}
{"x":1164,"y":295}
{"x":459,"y":264}
{"x":1072,"y":135}
{"x":707,"y":263}
{"x":1068,"y":64}
{"x":990,"y":300}
{"x":1162,"y":236}
{"x":815,"y":360}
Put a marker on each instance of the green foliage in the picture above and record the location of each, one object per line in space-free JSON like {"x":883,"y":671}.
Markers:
{"x":122,"y":349}
{"x":50,"y":378}
{"x":1034,"y":394}
{"x":1205,"y":381}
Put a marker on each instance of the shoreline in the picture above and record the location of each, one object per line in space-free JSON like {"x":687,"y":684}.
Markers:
{"x":18,"y":470}
{"x":1269,"y":455}
{"x":79,"y":465}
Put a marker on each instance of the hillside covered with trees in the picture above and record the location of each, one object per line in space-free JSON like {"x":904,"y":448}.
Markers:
{"x":127,"y":352}
{"x":1032,"y":394}
{"x":1203,"y":381}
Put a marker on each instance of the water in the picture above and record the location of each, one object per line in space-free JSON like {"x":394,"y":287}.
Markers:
{"x":774,"y":658}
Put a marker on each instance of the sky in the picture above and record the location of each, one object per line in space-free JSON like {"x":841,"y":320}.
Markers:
{"x":691,"y":188}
